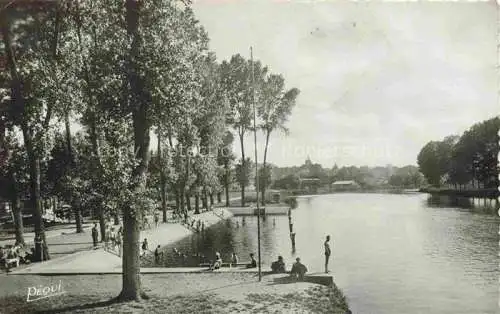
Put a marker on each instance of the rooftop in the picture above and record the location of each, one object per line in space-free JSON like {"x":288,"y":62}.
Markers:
{"x":309,"y":179}
{"x":344,"y":182}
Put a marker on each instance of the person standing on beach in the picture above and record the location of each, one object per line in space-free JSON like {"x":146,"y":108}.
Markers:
{"x":145,"y":246}
{"x":328,"y":252}
{"x":157,"y":219}
{"x":112,"y":237}
{"x":158,"y":255}
{"x":95,"y":235}
{"x":119,"y":236}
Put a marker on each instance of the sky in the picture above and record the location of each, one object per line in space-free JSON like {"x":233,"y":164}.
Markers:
{"x":377,"y":80}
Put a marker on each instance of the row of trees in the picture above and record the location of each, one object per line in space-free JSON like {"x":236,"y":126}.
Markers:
{"x":462,"y":161}
{"x":407,"y":177}
{"x":125,"y":69}
{"x":368,"y":177}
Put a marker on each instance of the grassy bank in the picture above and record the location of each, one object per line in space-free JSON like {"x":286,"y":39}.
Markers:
{"x":172,"y":293}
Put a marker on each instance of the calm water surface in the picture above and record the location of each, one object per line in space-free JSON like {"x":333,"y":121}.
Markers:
{"x":391,"y":253}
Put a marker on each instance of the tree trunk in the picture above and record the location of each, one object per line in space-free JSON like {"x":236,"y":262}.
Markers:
{"x":102,"y":221}
{"x":71,"y":164}
{"x":263,"y":187}
{"x":177,"y":202}
{"x":182,"y":198}
{"x":16,"y":211}
{"x":204,"y":199}
{"x":34,"y":164}
{"x":163,"y":181}
{"x":18,"y":221}
{"x":242,"y":195}
{"x":211,"y":199}
{"x":131,"y":281}
{"x":219,"y":197}
{"x":34,"y":173}
{"x":78,"y":216}
{"x":186,"y":183}
{"x":164,"y":203}
{"x":226,"y":184}
{"x":197,"y":204}
{"x":243,"y":161}
{"x":188,"y":201}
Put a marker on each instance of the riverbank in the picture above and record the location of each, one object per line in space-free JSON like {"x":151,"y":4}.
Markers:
{"x":370,"y":191}
{"x":174,"y":293}
{"x":251,"y":210}
{"x":479,"y":193}
{"x":98,"y":260}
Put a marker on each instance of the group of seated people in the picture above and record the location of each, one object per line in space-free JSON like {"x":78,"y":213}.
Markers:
{"x":234,"y":261}
{"x":298,"y":269}
{"x":14,"y":255}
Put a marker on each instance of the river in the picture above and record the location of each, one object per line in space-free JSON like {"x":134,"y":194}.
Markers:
{"x":391,"y":253}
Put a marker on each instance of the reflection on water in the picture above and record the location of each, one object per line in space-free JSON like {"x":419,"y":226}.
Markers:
{"x":391,"y":253}
{"x":478,"y":205}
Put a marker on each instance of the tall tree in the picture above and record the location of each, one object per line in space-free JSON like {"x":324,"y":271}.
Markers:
{"x":138,"y":98}
{"x":165,"y":40}
{"x":430,"y":163}
{"x":210,"y":120}
{"x":275,"y":107}
{"x":97,"y":41}
{"x":486,"y":152}
{"x":163,"y":163}
{"x":239,"y":88}
{"x":35,"y":74}
{"x":461,"y":161}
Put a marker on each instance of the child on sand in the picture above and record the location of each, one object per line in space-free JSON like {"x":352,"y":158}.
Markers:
{"x":218,"y":262}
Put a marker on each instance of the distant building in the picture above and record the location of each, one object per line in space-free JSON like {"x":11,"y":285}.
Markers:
{"x":350,"y":185}
{"x":277,"y":196}
{"x":310,"y":185}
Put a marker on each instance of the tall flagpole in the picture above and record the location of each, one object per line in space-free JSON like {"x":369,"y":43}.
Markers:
{"x":256,"y":167}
